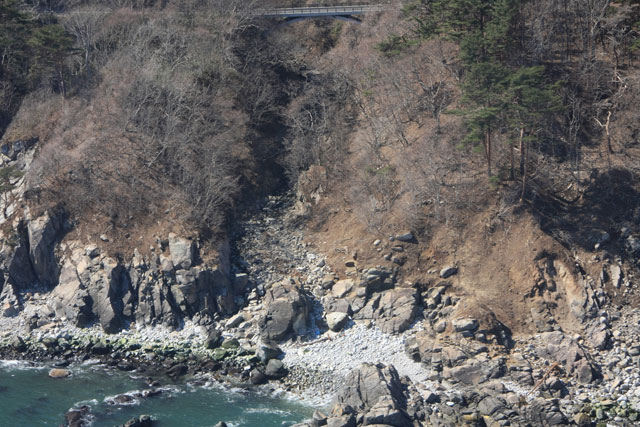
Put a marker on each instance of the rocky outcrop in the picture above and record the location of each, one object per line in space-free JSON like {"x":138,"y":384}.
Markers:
{"x":43,"y":233}
{"x":287,"y":311}
{"x":375,"y":393}
{"x":561,"y":348}
{"x":96,"y":287}
{"x":31,"y":259}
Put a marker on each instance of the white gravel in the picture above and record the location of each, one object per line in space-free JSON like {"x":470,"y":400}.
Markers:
{"x":350,"y":348}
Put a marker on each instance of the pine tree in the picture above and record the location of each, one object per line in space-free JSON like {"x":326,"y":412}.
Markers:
{"x":15,"y":29}
{"x":51,"y":45}
{"x":483,"y":101}
{"x":530,"y":100}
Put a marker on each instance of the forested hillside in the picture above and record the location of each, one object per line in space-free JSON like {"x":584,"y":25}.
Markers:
{"x":183,"y":109}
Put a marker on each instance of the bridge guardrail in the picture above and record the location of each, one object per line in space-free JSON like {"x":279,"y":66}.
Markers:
{"x":317,"y":10}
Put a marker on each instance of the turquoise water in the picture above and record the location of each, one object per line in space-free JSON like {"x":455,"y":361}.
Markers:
{"x":28,"y":397}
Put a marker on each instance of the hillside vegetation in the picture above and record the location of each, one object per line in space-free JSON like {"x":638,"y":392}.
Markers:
{"x":176,"y":112}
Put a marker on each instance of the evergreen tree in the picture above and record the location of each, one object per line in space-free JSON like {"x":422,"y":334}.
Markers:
{"x":51,"y":45}
{"x":483,"y":104}
{"x":15,"y":29}
{"x":530,"y":100}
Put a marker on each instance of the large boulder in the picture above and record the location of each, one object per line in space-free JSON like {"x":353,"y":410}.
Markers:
{"x":365,"y":386}
{"x":287,"y":311}
{"x":336,"y":321}
{"x":108,"y":283}
{"x":376,"y":392}
{"x":43,"y":233}
{"x":396,"y":310}
{"x":181,"y":250}
{"x":544,"y":412}
{"x":559,"y":347}
{"x":69,"y":299}
{"x":16,"y":260}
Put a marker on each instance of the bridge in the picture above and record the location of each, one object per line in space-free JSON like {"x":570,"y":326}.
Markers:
{"x":294,"y":14}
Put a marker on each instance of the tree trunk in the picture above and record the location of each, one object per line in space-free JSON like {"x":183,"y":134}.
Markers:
{"x":521,"y":152}
{"x":512,"y":174}
{"x":525,"y":157}
{"x":487,"y":150}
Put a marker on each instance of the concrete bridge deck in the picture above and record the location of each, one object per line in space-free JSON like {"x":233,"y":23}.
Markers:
{"x":339,"y":12}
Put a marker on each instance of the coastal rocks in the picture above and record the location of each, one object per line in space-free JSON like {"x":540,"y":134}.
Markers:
{"x":178,"y":370}
{"x":558,"y":347}
{"x":43,"y":233}
{"x":59,"y":373}
{"x":181,"y":251}
{"x":267,"y":351}
{"x":141,"y":421}
{"x":336,"y":321}
{"x":213,"y":340}
{"x":545,"y":412}
{"x":275,"y":369}
{"x":77,"y":417}
{"x":69,"y":299}
{"x":17,"y":343}
{"x":107,"y":286}
{"x":365,"y":386}
{"x":406,"y":236}
{"x":396,"y":310}
{"x":375,"y":392}
{"x":234,"y":321}
{"x":287,"y":311}
{"x":342,"y":287}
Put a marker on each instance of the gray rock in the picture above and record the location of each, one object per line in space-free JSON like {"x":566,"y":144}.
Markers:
{"x":336,"y":321}
{"x":561,"y":348}
{"x":544,"y":412}
{"x":448,"y":271}
{"x":490,"y":405}
{"x":464,"y":324}
{"x":213,"y":340}
{"x":107,"y":287}
{"x":268,"y":351}
{"x":396,"y":310}
{"x":240,"y":282}
{"x":385,"y":412}
{"x":142,"y":421}
{"x":91,"y":251}
{"x":343,"y":421}
{"x":407,"y":236}
{"x":363,"y":387}
{"x":178,"y":370}
{"x":77,"y":417}
{"x":181,"y":251}
{"x":257,"y":377}
{"x":476,"y":371}
{"x":342,"y":288}
{"x":275,"y":369}
{"x":599,"y":337}
{"x":287,"y":311}
{"x":440,"y":327}
{"x":616,"y":275}
{"x":234,"y":321}
{"x":43,"y":233}
{"x":17,"y":343}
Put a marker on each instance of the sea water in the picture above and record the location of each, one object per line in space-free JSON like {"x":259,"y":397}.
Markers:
{"x":29,"y":397}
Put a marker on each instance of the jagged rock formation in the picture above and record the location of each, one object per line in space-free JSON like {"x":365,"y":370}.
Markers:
{"x":84,"y":285}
